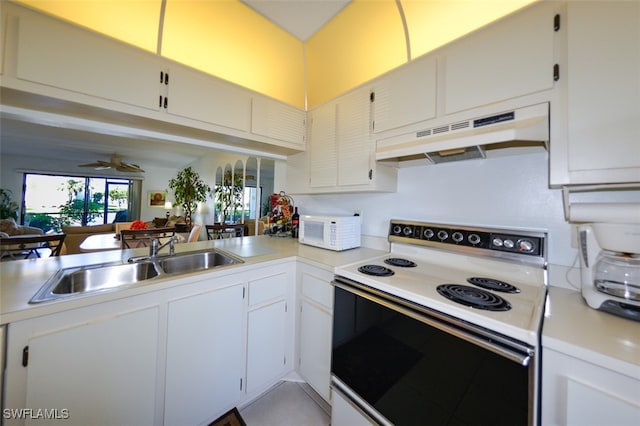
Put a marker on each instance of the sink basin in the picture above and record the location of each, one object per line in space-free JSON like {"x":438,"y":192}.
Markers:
{"x":101,"y":278}
{"x":195,"y":262}
{"x":93,"y":278}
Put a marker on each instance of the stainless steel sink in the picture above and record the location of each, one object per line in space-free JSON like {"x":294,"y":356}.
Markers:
{"x":93,"y":278}
{"x":105,"y":277}
{"x":195,"y":262}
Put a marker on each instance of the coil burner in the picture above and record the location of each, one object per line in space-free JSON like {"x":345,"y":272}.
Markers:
{"x":398,"y":261}
{"x":491,"y":284}
{"x":473,"y":297}
{"x":376,"y":270}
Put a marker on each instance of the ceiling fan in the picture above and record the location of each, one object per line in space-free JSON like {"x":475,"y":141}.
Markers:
{"x":115,"y":163}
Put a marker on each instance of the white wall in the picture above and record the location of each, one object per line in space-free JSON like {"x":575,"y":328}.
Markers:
{"x":507,"y":192}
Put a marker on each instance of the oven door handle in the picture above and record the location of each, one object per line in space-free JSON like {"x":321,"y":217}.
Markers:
{"x":438,"y":321}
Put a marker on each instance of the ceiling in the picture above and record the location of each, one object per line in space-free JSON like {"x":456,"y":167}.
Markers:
{"x":301,"y":18}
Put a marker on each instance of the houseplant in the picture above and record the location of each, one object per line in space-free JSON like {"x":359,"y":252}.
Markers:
{"x":8,"y":207}
{"x":189,"y":190}
{"x":228,"y":196}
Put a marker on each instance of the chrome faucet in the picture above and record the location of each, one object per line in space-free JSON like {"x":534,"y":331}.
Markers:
{"x":155,"y":246}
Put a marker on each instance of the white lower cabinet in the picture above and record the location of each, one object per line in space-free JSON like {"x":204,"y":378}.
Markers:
{"x":182,"y":355}
{"x":269,"y":328}
{"x":315,"y":328}
{"x":576,"y":392}
{"x":205,"y":345}
{"x":83,"y":368}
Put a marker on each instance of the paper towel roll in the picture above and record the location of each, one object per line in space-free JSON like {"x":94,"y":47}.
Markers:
{"x":605,"y":212}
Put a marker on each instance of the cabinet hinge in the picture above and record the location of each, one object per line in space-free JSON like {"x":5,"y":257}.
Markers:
{"x":25,"y":356}
{"x":556,"y":23}
{"x":556,"y":72}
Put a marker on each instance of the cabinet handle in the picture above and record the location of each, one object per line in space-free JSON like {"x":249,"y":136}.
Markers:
{"x":161,"y":77}
{"x":160,"y":102}
{"x":556,"y":23}
{"x":370,"y":174}
{"x":372,"y":97}
{"x":25,"y":356}
{"x":166,"y":102}
{"x":166,"y":78}
{"x":556,"y":72}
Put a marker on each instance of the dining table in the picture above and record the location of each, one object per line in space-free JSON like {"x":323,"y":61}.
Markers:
{"x":104,"y":242}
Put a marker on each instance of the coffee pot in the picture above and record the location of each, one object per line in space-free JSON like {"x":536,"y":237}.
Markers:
{"x":610,"y":267}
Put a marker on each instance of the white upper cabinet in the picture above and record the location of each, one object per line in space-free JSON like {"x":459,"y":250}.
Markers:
{"x":599,"y":141}
{"x":323,"y":160}
{"x":405,"y":96}
{"x":277,"y":120}
{"x":341,"y":150}
{"x":195,"y":95}
{"x":505,"y":60}
{"x":62,"y":56}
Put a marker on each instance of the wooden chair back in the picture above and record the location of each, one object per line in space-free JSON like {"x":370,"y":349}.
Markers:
{"x":217,"y":232}
{"x":194,"y":234}
{"x":23,"y":246}
{"x":135,"y":238}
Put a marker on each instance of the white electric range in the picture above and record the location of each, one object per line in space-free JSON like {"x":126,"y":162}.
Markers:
{"x":455,"y":309}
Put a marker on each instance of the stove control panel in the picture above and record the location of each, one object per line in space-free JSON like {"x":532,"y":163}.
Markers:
{"x":494,"y":241}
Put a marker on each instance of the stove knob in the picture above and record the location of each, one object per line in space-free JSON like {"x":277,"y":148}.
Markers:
{"x":474,"y":239}
{"x":428,"y":233}
{"x":397,"y":229}
{"x":497,"y":242}
{"x":457,"y":236}
{"x":407,"y":231}
{"x":525,"y":246}
{"x":443,"y":235}
{"x":509,"y":244}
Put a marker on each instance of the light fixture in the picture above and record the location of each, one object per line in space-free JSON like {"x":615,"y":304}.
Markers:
{"x":168,"y":206}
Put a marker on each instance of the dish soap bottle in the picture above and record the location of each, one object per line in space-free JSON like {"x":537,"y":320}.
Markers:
{"x":295,"y":222}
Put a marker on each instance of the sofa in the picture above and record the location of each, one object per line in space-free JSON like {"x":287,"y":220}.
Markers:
{"x":9,"y":228}
{"x":77,"y":234}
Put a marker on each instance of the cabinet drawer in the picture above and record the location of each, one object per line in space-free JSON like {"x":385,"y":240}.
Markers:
{"x":267,"y":288}
{"x":318,"y":290}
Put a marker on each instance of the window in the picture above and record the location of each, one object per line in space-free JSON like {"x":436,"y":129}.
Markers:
{"x":53,"y":201}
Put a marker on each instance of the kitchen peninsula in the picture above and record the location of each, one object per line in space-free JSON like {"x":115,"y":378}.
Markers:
{"x":227,"y":335}
{"x":223,"y":336}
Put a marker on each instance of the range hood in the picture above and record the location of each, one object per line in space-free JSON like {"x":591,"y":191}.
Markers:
{"x":506,"y":131}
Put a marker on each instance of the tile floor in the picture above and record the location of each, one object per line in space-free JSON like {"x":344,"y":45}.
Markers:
{"x":288,"y":404}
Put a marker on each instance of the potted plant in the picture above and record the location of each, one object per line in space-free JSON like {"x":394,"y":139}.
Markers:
{"x":8,"y":208}
{"x":229,"y":196}
{"x":189,"y":190}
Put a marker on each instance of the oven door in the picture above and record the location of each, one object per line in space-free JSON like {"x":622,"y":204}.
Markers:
{"x":402,"y":363}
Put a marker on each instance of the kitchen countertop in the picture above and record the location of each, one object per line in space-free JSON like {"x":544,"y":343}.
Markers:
{"x":573,"y":328}
{"x":21,"y":279}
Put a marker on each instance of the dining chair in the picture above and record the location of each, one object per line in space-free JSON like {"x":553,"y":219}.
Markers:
{"x":219,"y":231}
{"x":23,"y":246}
{"x":135,"y":238}
{"x":194,"y":234}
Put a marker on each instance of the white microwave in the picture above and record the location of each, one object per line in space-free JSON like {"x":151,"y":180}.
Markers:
{"x":330,"y":232}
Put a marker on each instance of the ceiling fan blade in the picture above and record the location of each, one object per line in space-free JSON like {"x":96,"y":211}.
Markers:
{"x":125,"y":167}
{"x":115,"y":163}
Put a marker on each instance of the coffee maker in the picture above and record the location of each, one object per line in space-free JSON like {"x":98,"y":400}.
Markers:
{"x":610,"y":267}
